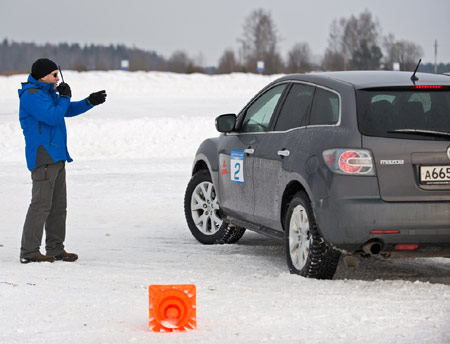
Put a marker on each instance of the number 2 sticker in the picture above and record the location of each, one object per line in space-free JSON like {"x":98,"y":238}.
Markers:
{"x":237,"y":166}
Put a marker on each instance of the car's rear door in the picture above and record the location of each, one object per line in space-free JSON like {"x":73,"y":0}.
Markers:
{"x":236,"y":154}
{"x":408,"y":131}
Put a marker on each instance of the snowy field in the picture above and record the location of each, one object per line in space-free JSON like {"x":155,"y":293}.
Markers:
{"x":126,"y":186}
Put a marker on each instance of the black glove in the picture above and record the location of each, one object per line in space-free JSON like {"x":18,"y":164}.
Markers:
{"x":97,"y":98}
{"x":64,"y":90}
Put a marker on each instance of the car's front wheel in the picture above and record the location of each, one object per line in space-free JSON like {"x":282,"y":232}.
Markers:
{"x":307,"y":253}
{"x":202,"y":211}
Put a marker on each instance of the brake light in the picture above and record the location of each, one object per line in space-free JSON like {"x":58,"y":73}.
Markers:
{"x":430,"y":87}
{"x":349,"y":161}
{"x":406,"y":247}
{"x":384,"y":232}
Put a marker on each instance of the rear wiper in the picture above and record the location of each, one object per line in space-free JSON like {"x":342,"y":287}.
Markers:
{"x":420,"y":131}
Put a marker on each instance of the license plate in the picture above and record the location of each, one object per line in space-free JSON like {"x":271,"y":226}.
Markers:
{"x":435,"y":175}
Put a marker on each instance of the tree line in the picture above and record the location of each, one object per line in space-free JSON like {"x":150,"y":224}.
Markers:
{"x":354,"y":43}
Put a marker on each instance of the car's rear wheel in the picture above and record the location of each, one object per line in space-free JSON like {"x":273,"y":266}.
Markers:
{"x":202,"y":211}
{"x":307,"y":253}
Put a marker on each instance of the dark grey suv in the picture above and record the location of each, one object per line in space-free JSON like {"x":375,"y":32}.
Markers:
{"x":332,"y":163}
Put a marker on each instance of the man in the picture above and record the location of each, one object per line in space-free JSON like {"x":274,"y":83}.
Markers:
{"x":42,"y":112}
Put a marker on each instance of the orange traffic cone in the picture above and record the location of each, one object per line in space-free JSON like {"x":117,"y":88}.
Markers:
{"x":172,"y":308}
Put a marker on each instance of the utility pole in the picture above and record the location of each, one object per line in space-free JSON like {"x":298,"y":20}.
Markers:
{"x":435,"y":56}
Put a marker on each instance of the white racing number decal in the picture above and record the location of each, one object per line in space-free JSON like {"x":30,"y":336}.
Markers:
{"x":237,"y":166}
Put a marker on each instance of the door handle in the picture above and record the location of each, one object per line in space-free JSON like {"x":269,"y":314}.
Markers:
{"x":283,"y":153}
{"x":249,"y":151}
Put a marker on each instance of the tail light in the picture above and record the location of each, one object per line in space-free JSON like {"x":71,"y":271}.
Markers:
{"x":349,"y":161}
{"x":393,"y":231}
{"x":406,"y":247}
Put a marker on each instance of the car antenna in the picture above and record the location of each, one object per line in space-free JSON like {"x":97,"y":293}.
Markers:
{"x":414,"y":77}
{"x":62,"y":78}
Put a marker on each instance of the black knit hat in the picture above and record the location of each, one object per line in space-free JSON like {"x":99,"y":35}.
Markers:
{"x":42,"y":67}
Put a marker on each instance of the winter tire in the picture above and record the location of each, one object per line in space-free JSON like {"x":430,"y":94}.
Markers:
{"x":231,"y":234}
{"x":202,"y":213}
{"x":307,"y":254}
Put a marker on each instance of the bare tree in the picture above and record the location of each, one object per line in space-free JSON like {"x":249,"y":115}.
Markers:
{"x":299,"y":58}
{"x":199,"y":60}
{"x":405,"y":52}
{"x":179,"y":62}
{"x":333,"y":60}
{"x":360,"y":41}
{"x":227,"y":62}
{"x":356,"y":39}
{"x":260,"y":42}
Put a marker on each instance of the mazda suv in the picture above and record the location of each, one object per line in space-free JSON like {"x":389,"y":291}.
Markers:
{"x":352,"y":163}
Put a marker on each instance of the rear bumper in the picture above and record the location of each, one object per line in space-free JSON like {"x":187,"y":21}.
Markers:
{"x":347,"y":223}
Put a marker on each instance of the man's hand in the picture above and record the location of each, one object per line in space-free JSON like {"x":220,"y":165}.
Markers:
{"x":64,"y":90}
{"x":97,"y":98}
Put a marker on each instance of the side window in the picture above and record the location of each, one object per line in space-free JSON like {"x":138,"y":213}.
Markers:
{"x":258,"y":115}
{"x":325,"y":108}
{"x":295,"y":108}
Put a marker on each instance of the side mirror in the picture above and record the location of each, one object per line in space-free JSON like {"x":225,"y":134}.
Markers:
{"x":225,"y":123}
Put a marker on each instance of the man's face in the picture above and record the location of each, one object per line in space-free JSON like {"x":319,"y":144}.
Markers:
{"x":51,"y":78}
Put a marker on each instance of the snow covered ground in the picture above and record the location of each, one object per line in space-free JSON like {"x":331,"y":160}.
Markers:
{"x":125,"y":190}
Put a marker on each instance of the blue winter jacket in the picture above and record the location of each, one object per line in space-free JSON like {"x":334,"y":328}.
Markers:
{"x":41,"y":115}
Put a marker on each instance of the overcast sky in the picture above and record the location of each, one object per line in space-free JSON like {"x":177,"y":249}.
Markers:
{"x":205,"y":28}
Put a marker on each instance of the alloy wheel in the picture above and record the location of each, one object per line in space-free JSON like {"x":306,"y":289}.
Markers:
{"x":299,"y":237}
{"x":205,"y":209}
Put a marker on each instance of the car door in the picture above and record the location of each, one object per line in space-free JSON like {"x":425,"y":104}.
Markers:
{"x":236,"y":149}
{"x":275,"y":152}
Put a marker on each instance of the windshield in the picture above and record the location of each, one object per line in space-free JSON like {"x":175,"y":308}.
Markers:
{"x":403,"y":113}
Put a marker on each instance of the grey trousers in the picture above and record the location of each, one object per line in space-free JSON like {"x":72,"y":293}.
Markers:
{"x":48,"y":208}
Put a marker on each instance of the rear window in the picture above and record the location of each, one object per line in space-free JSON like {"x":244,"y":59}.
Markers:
{"x":404,"y":113}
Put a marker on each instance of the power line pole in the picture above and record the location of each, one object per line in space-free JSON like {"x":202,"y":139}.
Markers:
{"x":435,"y":56}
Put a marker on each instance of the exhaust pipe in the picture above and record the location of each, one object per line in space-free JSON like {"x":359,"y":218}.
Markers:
{"x":372,"y":248}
